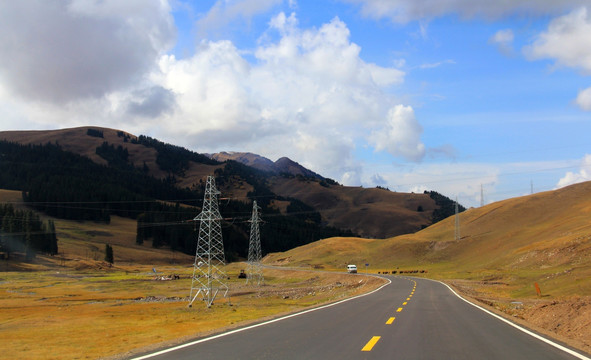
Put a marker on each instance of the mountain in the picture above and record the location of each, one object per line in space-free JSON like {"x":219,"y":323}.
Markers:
{"x":283,"y":186}
{"x":283,"y":165}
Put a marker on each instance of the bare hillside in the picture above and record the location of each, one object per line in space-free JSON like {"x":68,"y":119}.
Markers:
{"x":375,"y":213}
{"x":545,"y":238}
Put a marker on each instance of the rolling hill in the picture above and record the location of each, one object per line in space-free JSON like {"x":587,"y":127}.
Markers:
{"x":374,"y":213}
{"x":544,"y":238}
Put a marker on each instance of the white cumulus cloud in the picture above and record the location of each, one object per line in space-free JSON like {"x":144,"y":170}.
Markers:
{"x":401,"y":134}
{"x":584,"y":99}
{"x":567,"y":40}
{"x":503,"y":39}
{"x":584,"y":174}
{"x":309,"y":95}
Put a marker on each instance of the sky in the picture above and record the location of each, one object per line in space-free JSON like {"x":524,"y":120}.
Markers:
{"x":476,"y":99}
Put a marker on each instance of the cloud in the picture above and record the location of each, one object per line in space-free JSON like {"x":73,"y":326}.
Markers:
{"x":58,"y":51}
{"x":152,"y":102}
{"x":584,"y":174}
{"x":308,"y":95}
{"x":224,"y":12}
{"x":503,"y":39}
{"x":567,"y":40}
{"x":452,"y":179}
{"x":437,"y":64}
{"x":584,"y":99}
{"x":403,"y":11}
{"x":400,"y":136}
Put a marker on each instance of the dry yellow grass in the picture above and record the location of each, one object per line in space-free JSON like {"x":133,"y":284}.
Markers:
{"x":68,"y":314}
{"x":544,"y":238}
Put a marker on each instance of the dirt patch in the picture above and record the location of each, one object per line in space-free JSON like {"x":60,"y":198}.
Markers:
{"x":567,"y":320}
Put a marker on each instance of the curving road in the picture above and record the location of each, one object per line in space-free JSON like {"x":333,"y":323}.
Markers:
{"x":408,"y":319}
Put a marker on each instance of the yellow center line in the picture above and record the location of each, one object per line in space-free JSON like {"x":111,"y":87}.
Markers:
{"x":404,"y":303}
{"x":371,"y":343}
{"x":390,"y":321}
{"x":408,"y":298}
{"x":399,"y":310}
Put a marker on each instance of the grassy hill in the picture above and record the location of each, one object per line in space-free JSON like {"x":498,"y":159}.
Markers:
{"x":544,"y":238}
{"x":82,"y":244}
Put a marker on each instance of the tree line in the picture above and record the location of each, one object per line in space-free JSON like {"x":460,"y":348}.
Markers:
{"x":23,"y":231}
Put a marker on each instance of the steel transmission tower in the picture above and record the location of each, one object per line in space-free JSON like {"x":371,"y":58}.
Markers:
{"x":208,"y":276}
{"x":254,"y":270}
{"x":457,"y":232}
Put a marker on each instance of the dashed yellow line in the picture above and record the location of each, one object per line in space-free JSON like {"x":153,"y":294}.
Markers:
{"x":371,"y":343}
{"x":399,"y":310}
{"x":404,"y":303}
{"x":390,"y":321}
{"x":408,"y":298}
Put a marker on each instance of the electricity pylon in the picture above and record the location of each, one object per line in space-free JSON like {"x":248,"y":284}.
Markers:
{"x":457,"y":232}
{"x":208,"y":276}
{"x":254,"y":272}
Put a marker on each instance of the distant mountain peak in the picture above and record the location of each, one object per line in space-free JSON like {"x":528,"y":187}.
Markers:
{"x":286,"y":165}
{"x":283,"y":165}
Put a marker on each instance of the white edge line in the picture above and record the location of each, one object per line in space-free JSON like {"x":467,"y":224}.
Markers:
{"x":161,"y":352}
{"x":558,"y":346}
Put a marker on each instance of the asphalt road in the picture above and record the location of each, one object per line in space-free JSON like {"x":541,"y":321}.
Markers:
{"x":408,"y":319}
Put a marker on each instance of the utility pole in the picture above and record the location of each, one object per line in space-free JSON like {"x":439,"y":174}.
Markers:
{"x":481,"y":196}
{"x":254,"y":272}
{"x":208,"y":276}
{"x":457,"y":232}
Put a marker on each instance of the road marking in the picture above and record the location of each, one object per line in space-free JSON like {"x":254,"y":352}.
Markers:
{"x":404,"y":303}
{"x":399,"y":310}
{"x":182,"y":346}
{"x":408,"y":298}
{"x":371,"y":343}
{"x":390,"y":321}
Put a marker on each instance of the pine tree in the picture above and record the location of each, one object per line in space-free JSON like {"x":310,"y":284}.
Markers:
{"x":52,"y":237}
{"x":109,"y":254}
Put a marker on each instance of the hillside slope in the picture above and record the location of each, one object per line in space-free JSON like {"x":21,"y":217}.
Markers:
{"x":375,"y":213}
{"x":372,"y":213}
{"x":544,"y":238}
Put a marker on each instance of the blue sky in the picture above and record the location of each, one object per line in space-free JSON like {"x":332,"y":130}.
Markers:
{"x":413,"y":95}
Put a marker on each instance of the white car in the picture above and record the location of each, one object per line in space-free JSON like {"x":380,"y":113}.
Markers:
{"x":352,"y":269}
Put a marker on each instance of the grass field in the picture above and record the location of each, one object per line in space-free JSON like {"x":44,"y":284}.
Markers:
{"x":70,"y":314}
